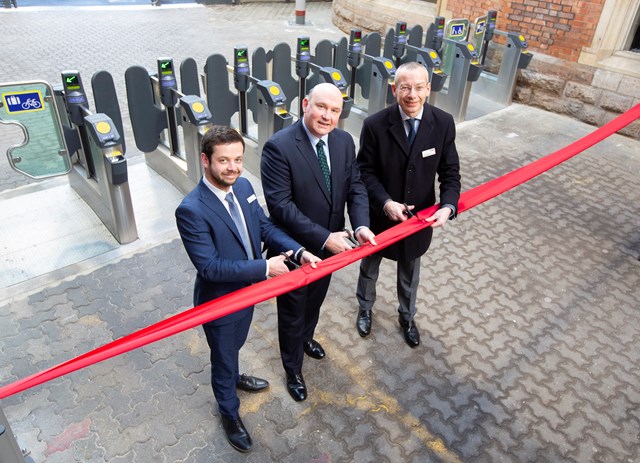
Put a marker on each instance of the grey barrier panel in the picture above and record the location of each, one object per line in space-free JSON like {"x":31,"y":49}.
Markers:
{"x":147,"y":120}
{"x":323,"y":57}
{"x":341,"y":53}
{"x":371,"y":45}
{"x":388,"y":53}
{"x":32,"y":107}
{"x":106,"y":100}
{"x":189,"y":84}
{"x":258,"y":72}
{"x":222,"y":102}
{"x":281,"y":72}
{"x":414,"y":39}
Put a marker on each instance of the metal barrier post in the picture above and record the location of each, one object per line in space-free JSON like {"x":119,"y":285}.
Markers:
{"x":300,"y":11}
{"x":9,"y":450}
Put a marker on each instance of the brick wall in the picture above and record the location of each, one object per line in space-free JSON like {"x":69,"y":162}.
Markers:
{"x":556,"y":31}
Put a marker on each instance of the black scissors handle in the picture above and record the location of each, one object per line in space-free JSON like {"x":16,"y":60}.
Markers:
{"x":407,"y":212}
{"x":350,"y":238}
{"x":288,"y":260}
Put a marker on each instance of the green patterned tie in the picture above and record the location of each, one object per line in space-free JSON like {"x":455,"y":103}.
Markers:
{"x":322,"y":159}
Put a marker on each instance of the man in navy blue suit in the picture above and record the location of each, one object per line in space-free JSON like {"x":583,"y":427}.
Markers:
{"x":222,"y":226}
{"x":309,"y":174}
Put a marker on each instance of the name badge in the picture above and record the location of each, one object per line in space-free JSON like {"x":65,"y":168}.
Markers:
{"x":429,"y":152}
{"x":251,"y":199}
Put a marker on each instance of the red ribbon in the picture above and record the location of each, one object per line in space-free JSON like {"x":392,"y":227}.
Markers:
{"x":268,"y":289}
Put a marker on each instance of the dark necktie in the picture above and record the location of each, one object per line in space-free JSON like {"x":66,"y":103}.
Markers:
{"x":324,"y":166}
{"x":412,"y":130}
{"x":237,"y":219}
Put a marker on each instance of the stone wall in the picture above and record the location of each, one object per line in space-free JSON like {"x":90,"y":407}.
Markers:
{"x":381,"y":15}
{"x":586,"y":93}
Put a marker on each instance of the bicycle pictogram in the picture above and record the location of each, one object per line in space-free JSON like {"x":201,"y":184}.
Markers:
{"x":31,"y":103}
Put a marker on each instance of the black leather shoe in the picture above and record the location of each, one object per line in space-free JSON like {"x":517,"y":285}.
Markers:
{"x":363,"y":322}
{"x":251,"y":383}
{"x":410,"y":330}
{"x":237,"y":434}
{"x":313,"y":349}
{"x":296,"y":387}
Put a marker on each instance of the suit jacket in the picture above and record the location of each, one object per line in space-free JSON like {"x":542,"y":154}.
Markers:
{"x":392,"y":170}
{"x":295,"y":190}
{"x":213,"y":243}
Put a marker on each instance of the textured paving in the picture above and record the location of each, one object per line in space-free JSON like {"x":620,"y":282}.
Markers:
{"x":528,"y":308}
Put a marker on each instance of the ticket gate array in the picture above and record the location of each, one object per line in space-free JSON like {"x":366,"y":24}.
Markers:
{"x":407,"y":47}
{"x":158,"y":110}
{"x":63,"y":136}
{"x":499,"y":87}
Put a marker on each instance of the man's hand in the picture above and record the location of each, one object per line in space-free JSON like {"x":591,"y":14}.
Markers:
{"x":277,"y":265}
{"x":396,"y":211}
{"x":441,"y":216}
{"x":309,"y":258}
{"x":338,"y":242}
{"x":364,"y":235}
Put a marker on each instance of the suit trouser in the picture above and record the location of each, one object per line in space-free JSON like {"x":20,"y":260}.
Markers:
{"x":407,"y":280}
{"x":225,"y":342}
{"x":298,"y":314}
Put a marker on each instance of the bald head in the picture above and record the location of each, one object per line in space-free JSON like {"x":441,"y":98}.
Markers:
{"x":322,"y":108}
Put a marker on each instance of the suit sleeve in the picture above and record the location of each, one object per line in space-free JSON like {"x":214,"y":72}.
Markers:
{"x":449,"y":168}
{"x":369,"y":167}
{"x":198,"y":236}
{"x":276,"y":173}
{"x":357,"y":198}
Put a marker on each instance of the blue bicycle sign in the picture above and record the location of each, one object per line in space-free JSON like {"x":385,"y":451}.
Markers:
{"x":23,"y":101}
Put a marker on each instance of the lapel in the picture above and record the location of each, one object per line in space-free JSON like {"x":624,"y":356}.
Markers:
{"x":310,"y":156}
{"x":253,"y":225}
{"x":397,"y":129}
{"x":424,"y":133}
{"x":212,"y":202}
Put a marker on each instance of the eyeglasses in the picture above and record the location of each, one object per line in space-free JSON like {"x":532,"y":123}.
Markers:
{"x":407,"y":88}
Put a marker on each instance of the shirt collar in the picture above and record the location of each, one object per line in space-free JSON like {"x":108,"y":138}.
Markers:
{"x":220,"y":194}
{"x":404,"y":116}
{"x":313,"y":139}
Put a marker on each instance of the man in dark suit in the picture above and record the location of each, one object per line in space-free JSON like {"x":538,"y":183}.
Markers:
{"x":402,"y":148}
{"x":309,"y":173}
{"x":222,"y":225}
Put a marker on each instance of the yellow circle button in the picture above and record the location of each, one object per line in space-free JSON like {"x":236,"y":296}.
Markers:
{"x":103,"y":127}
{"x":471,"y":47}
{"x":336,"y":75}
{"x":197,"y":107}
{"x":388,"y":64}
{"x":433,"y":55}
{"x":274,"y":90}
{"x":521,"y":38}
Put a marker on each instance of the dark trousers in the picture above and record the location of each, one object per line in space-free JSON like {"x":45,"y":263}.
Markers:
{"x":225,"y":341}
{"x":407,"y":280}
{"x":298,"y":314}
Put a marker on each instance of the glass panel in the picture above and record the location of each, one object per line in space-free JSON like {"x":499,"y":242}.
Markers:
{"x":31,"y":106}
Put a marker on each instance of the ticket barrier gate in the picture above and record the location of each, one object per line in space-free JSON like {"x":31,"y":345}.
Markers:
{"x":408,"y":48}
{"x":157,"y":110}
{"x":499,"y":87}
{"x":461,"y":62}
{"x":62,"y":136}
{"x":305,"y":65}
{"x":371,"y":74}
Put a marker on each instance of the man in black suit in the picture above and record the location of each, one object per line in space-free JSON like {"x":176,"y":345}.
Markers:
{"x":402,"y":148}
{"x":222,"y":225}
{"x":309,"y":173}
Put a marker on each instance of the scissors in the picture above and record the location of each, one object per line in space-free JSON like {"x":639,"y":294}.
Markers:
{"x":289,"y":261}
{"x":350,"y":239}
{"x":406,"y":211}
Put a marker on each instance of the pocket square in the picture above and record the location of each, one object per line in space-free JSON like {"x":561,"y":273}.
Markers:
{"x":429,"y":152}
